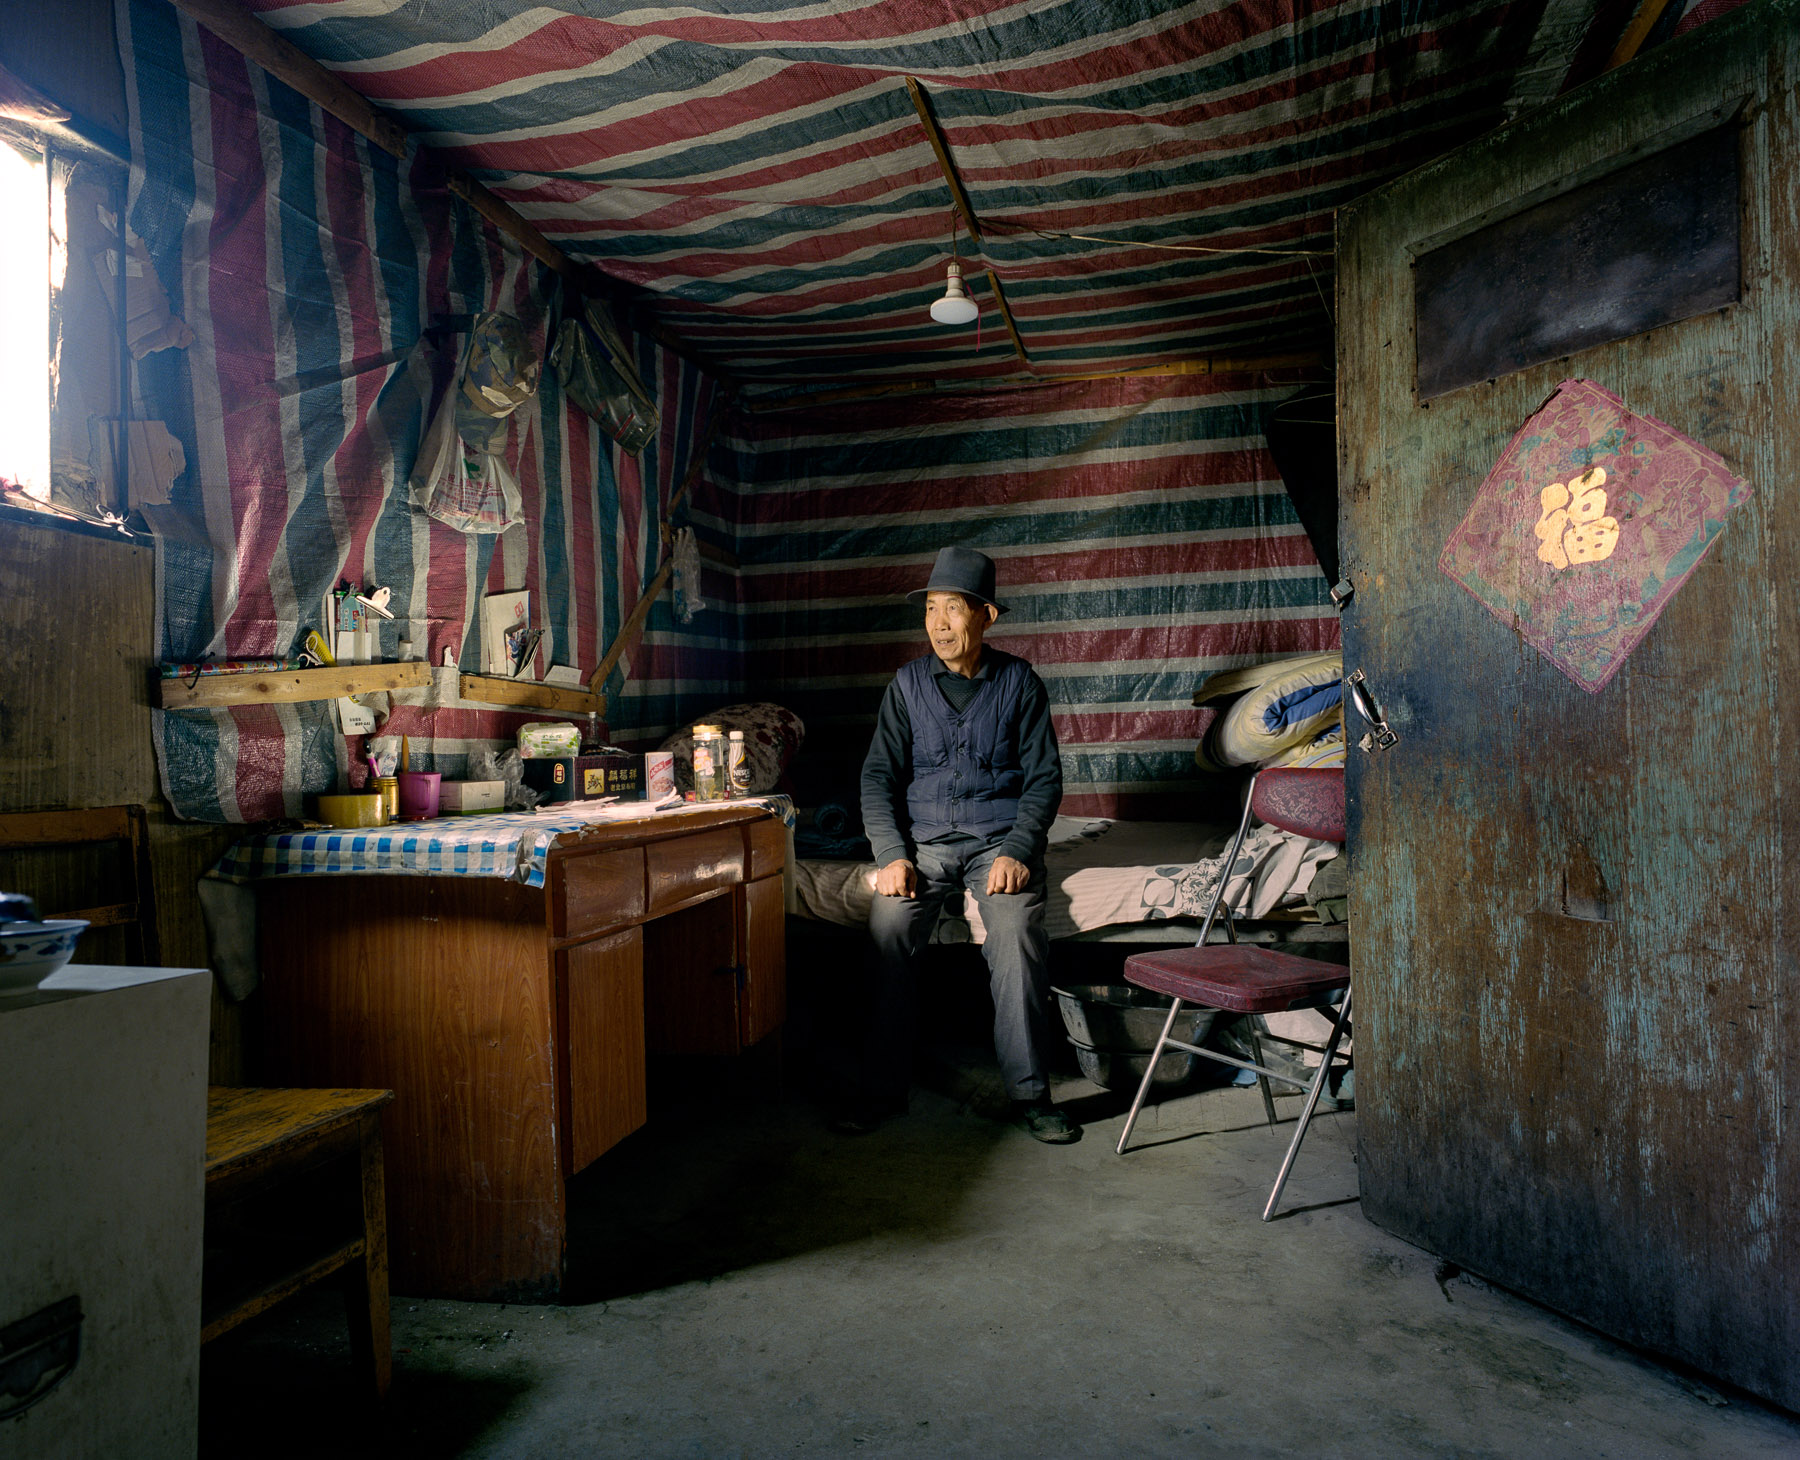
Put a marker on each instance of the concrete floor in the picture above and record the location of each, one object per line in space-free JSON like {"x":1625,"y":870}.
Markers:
{"x":751,"y":1284}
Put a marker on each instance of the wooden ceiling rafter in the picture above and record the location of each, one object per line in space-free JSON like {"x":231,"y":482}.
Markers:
{"x":960,"y":200}
{"x":1617,"y":32}
{"x":287,"y":63}
{"x":1207,"y":365}
{"x":1637,"y":32}
{"x":1007,"y":315}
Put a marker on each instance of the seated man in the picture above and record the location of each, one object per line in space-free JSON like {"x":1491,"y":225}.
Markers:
{"x":958,"y":791}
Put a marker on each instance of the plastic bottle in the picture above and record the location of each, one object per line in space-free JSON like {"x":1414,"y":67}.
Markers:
{"x":738,"y":765}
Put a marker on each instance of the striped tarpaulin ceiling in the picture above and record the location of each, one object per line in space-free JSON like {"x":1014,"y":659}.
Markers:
{"x":756,"y":173}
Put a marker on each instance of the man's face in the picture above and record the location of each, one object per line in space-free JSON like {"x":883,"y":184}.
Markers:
{"x":955,"y":625}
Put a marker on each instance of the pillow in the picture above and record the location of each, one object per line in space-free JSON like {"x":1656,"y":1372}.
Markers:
{"x":772,"y":734}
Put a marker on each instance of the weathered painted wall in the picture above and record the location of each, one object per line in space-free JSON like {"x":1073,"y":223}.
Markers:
{"x":75,"y":666}
{"x":76,"y":611}
{"x":1591,"y":1112}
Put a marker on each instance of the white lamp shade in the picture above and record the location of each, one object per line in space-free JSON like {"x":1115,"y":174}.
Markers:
{"x":955,"y":307}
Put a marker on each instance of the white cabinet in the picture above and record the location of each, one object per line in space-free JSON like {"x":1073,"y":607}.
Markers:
{"x":102,"y":1187}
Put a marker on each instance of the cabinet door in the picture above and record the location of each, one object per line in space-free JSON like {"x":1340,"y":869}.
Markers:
{"x":691,"y":975}
{"x":763,"y":1005}
{"x":601,"y":1095}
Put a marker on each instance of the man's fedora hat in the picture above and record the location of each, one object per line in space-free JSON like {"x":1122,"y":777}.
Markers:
{"x":960,"y":570}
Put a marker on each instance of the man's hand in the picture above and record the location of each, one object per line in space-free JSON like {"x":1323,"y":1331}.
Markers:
{"x":895,"y":879}
{"x":1008,"y":874}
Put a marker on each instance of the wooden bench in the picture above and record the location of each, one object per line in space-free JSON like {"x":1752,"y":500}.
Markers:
{"x":294,"y":1194}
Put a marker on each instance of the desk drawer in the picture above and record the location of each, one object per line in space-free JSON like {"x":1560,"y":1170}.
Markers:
{"x":597,"y":891}
{"x":685,"y":869}
{"x":768,"y":847}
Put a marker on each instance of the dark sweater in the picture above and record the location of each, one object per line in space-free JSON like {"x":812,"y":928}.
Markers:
{"x":888,"y":769}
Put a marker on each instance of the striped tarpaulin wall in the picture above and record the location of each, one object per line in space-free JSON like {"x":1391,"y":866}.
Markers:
{"x":1142,"y":537}
{"x":309,"y":266}
{"x":758,"y":169}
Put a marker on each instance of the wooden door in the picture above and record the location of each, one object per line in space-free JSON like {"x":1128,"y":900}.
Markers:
{"x":1576,"y":1026}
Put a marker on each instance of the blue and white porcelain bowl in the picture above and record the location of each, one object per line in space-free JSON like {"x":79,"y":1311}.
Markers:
{"x":31,"y":952}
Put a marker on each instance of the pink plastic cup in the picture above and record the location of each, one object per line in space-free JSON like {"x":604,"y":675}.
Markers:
{"x":419,"y":795}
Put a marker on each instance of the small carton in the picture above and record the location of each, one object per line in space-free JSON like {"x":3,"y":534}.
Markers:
{"x":471,"y":798}
{"x":585,"y":777}
{"x":611,"y":775}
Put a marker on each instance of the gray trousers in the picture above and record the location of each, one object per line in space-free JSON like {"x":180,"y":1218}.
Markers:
{"x":1017,"y":953}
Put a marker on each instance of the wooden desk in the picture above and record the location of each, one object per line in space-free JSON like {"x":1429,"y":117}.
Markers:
{"x":512,"y":1022}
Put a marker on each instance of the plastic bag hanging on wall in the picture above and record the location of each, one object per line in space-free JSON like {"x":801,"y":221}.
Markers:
{"x":591,"y":361}
{"x":686,"y":551}
{"x":460,"y":477}
{"x":499,"y":373}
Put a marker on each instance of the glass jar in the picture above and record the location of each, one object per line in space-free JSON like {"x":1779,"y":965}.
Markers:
{"x":711,"y":773}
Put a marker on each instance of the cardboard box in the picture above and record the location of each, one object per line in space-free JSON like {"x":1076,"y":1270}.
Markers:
{"x":471,"y":798}
{"x":585,"y":777}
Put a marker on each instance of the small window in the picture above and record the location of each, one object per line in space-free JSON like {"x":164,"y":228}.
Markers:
{"x":30,"y":271}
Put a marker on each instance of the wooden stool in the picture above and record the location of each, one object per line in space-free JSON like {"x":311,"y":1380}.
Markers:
{"x":312,"y":1159}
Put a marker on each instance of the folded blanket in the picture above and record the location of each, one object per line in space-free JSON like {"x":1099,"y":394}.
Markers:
{"x":1282,"y":713}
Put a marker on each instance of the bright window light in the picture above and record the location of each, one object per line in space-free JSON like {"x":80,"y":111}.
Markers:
{"x":24,"y":323}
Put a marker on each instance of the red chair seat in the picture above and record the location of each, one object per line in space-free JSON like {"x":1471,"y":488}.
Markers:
{"x":1238,"y":977}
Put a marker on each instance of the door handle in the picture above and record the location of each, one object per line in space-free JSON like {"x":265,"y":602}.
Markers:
{"x":1380,"y":736}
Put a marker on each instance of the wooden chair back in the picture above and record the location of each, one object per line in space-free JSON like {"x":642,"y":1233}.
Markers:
{"x":63,"y":887}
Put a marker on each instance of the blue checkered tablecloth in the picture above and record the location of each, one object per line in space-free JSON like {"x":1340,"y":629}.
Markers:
{"x":514,"y":844}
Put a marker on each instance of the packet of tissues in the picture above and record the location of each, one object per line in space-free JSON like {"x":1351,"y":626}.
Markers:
{"x":546,"y":739}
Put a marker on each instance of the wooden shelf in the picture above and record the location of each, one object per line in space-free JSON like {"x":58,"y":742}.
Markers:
{"x":290,"y":686}
{"x":530,"y":694}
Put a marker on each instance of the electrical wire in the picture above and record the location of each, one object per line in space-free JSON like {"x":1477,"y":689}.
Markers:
{"x":1279,"y":253}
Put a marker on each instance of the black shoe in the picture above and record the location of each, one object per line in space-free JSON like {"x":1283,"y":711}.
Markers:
{"x":859,"y":1117}
{"x":1042,"y":1121}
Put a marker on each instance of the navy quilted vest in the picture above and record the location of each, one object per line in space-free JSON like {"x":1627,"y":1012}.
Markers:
{"x":966,"y":771}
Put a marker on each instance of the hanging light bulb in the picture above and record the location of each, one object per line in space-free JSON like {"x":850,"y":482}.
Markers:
{"x":955,"y":307}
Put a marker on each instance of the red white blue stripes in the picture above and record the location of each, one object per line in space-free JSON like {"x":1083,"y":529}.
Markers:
{"x":1142,"y":539}
{"x":310,"y":266}
{"x":756,"y":168}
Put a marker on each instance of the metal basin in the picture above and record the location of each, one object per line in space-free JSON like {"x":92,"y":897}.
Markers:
{"x":1123,"y":1018}
{"x":1113,"y":1069}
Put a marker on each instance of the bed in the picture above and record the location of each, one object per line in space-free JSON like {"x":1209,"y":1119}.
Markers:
{"x":1109,"y":881}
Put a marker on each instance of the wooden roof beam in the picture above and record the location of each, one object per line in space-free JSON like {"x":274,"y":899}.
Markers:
{"x":1209,"y":365}
{"x":960,"y":199}
{"x":287,"y":63}
{"x":935,"y":136}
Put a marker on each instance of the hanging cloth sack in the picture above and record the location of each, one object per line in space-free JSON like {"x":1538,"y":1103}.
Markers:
{"x":686,"y":582}
{"x":460,"y":477}
{"x":591,"y":361}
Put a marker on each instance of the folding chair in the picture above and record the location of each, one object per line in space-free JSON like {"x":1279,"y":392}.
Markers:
{"x":1243,"y":979}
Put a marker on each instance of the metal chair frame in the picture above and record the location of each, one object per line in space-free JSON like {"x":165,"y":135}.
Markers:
{"x":1340,"y":1028}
